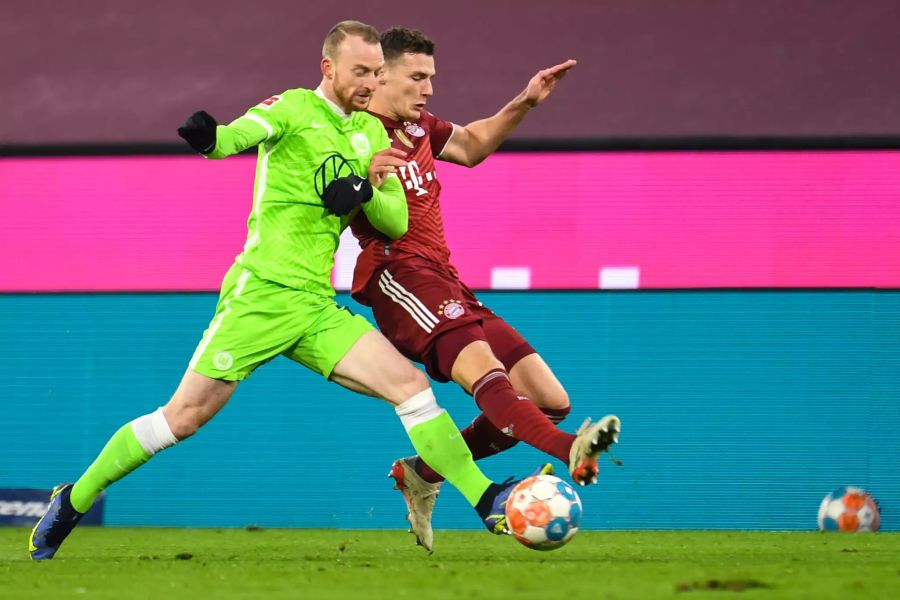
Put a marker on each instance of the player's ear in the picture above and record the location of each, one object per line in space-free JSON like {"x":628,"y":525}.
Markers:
{"x":327,"y":68}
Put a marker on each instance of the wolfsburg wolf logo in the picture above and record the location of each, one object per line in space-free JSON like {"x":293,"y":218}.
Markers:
{"x":331,"y":168}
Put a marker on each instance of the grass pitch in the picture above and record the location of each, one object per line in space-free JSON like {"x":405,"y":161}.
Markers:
{"x":234,"y":563}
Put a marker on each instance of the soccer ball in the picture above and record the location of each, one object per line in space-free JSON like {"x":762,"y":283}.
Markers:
{"x":543,"y":512}
{"x":849,"y":509}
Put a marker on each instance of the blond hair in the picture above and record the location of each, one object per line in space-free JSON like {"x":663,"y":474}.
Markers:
{"x":344,"y":29}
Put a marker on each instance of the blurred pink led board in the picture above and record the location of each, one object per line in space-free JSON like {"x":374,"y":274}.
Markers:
{"x":578,"y":220}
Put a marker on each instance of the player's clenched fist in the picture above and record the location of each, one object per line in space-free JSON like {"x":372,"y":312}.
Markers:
{"x":199,"y":131}
{"x":346,"y":193}
{"x":384,"y":163}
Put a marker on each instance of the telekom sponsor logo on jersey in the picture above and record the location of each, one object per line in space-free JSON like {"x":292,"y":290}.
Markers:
{"x":531,"y":220}
{"x":413,"y":178}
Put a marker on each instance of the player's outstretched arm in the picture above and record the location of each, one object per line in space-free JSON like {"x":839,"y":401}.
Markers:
{"x":236,"y":137}
{"x":471,"y":144}
{"x":212,"y":140}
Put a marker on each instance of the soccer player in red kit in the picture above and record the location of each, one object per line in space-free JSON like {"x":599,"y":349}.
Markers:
{"x":431,"y":316}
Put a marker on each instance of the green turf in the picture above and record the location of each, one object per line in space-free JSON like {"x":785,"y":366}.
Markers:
{"x":170,"y":564}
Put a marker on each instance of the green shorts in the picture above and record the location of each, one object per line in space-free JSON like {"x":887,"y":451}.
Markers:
{"x":256,"y":320}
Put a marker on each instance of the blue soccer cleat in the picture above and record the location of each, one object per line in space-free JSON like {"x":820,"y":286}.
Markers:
{"x":495,"y":517}
{"x":57,"y":523}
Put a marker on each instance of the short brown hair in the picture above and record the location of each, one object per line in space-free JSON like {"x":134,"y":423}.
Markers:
{"x":397,"y":41}
{"x":347,"y":28}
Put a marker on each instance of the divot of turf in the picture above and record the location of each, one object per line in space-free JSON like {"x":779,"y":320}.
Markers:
{"x":722,"y":585}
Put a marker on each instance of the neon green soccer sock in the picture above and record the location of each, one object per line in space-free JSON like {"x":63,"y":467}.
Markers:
{"x":130,"y":447}
{"x":439,"y":443}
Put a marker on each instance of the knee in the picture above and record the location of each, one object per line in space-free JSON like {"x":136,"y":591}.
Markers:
{"x":556,"y":400}
{"x":183,"y":423}
{"x":474,"y":362}
{"x":197,"y":399}
{"x":408,"y":382}
{"x":479,"y":357}
{"x":463,"y":354}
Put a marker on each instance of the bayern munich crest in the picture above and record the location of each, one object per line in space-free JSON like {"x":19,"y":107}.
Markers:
{"x":414,"y":130}
{"x":452,"y":309}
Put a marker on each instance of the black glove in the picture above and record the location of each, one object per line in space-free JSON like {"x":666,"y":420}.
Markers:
{"x":346,"y":193}
{"x":199,"y":131}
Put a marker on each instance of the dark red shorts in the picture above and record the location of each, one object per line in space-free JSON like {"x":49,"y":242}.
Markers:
{"x":415,"y":301}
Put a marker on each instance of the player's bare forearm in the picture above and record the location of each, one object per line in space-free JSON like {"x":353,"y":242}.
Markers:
{"x":482,"y":138}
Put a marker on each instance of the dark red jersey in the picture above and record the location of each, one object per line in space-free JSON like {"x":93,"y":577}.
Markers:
{"x":423,"y":141}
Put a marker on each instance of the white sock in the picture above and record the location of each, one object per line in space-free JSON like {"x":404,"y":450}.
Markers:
{"x":153,"y":432}
{"x":420,"y":408}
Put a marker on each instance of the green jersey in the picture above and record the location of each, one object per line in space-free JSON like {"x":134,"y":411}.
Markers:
{"x":305,"y":142}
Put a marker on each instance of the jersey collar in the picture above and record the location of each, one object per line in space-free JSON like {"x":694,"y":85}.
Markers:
{"x":337,"y":110}
{"x":388,"y":122}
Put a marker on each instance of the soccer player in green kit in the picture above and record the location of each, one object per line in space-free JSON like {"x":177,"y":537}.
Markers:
{"x":322,"y":159}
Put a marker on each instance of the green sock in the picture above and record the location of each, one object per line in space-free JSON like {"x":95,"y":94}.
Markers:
{"x":122,"y":454}
{"x":440,"y":444}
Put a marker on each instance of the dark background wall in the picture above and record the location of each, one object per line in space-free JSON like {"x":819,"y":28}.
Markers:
{"x":105,"y":71}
